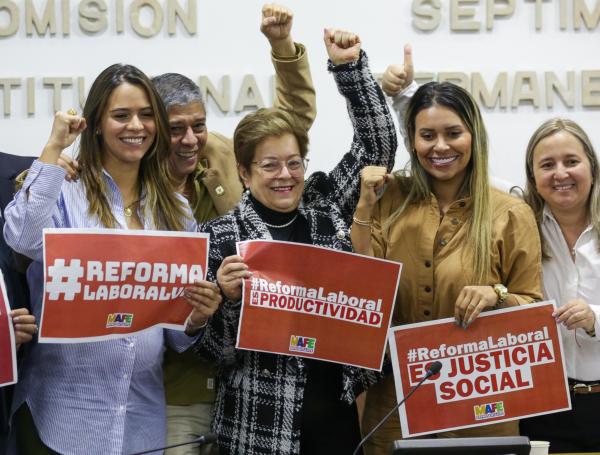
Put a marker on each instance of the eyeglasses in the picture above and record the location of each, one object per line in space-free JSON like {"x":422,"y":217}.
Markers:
{"x":272,"y":167}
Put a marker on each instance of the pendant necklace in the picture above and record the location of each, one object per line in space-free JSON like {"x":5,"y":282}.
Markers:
{"x":128,"y":211}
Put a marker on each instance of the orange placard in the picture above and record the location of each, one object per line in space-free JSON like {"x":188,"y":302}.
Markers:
{"x":315,"y":302}
{"x":102,"y":284}
{"x":8,"y":355}
{"x":507,"y":365}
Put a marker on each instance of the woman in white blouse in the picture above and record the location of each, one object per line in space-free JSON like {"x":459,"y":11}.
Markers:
{"x":563,"y":181}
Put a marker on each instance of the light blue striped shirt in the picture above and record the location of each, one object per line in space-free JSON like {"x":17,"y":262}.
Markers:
{"x":90,"y":398}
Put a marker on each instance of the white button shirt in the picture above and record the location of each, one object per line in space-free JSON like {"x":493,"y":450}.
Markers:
{"x":565,"y":280}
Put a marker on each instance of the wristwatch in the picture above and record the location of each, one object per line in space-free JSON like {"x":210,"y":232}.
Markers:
{"x":502,"y":293}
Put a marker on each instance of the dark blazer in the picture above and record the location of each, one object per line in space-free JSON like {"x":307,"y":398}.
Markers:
{"x":259,"y":396}
{"x":10,"y":167}
{"x":16,"y":284}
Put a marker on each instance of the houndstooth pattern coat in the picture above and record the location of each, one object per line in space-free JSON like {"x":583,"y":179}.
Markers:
{"x":259,"y":398}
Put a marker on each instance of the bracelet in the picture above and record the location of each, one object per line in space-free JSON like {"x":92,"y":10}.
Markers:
{"x":362,"y":222}
{"x":191,"y":327}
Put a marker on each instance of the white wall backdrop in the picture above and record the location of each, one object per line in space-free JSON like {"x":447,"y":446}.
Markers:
{"x":228,"y":42}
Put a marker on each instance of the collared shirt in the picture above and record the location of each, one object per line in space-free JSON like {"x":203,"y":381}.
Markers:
{"x":95,"y":398}
{"x":566,"y":279}
{"x":438,"y":263}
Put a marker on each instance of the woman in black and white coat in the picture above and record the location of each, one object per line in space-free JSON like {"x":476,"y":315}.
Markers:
{"x":268,"y":403}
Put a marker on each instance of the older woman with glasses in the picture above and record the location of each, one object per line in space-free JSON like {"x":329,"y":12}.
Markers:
{"x":268,"y":403}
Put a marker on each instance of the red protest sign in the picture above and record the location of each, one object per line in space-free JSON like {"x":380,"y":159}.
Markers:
{"x":8,"y":355}
{"x":101,"y":284}
{"x":507,"y":365}
{"x":315,"y":302}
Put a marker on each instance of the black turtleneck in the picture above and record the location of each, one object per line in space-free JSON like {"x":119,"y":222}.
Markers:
{"x":323,"y":412}
{"x":297,"y":231}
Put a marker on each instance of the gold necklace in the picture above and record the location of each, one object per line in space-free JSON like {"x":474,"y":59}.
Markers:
{"x":128,"y":211}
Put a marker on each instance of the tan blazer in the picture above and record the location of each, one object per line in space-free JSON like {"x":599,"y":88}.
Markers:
{"x":294,"y":92}
{"x":437,"y":265}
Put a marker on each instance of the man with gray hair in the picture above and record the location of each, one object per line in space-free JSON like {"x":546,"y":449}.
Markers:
{"x":205,"y":173}
{"x":205,"y":170}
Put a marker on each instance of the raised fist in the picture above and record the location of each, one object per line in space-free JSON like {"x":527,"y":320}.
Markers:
{"x":342,"y":47}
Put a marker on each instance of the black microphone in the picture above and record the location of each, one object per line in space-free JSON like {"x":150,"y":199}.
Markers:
{"x":433,"y":369}
{"x":200,"y":440}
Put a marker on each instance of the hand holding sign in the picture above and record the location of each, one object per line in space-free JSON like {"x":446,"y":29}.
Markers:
{"x":230,"y":275}
{"x":24,"y":325}
{"x":205,"y":298}
{"x":576,"y":314}
{"x":471,"y":301}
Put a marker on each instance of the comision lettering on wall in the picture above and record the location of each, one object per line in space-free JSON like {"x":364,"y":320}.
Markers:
{"x":56,"y":19}
{"x":512,"y":88}
{"x":51,"y":17}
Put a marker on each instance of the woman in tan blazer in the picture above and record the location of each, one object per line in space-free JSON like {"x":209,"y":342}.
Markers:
{"x":465,"y":246}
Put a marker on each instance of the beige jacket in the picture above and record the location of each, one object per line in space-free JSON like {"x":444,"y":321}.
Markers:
{"x":436,"y":268}
{"x":295,"y":93}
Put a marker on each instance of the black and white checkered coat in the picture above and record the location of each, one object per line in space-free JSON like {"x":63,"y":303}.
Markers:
{"x":259,"y":398}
